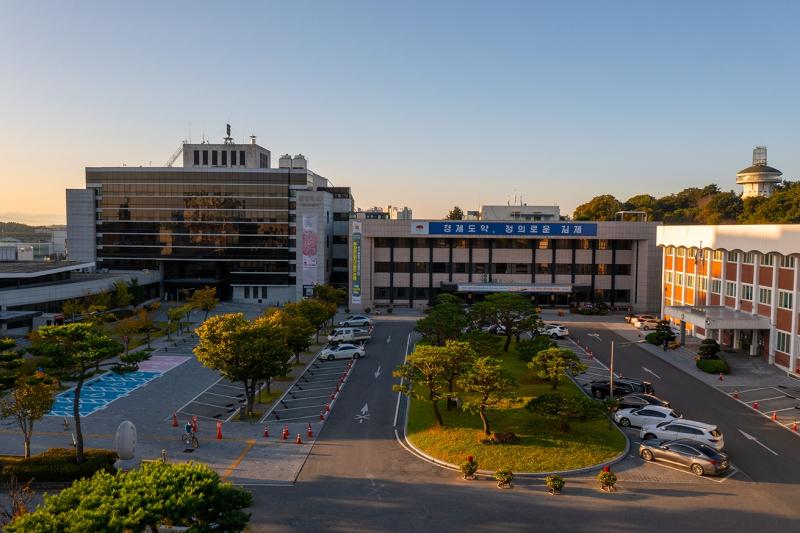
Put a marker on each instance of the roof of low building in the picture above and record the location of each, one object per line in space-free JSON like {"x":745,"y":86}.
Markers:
{"x":759,"y":169}
{"x":16,"y":269}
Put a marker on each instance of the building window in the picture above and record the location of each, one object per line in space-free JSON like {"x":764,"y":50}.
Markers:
{"x":224,"y":158}
{"x":380,"y":242}
{"x":197,"y":157}
{"x":381,"y":266}
{"x":381,"y":293}
{"x":622,"y":295}
{"x":401,"y":293}
{"x":716,"y":286}
{"x":420,"y":293}
{"x":500,"y":268}
{"x":479,"y":243}
{"x":583,"y":244}
{"x":401,"y":267}
{"x":787,"y":261}
{"x":767,"y":260}
{"x":667,"y":301}
{"x":264,"y":292}
{"x":703,"y":283}
{"x":730,"y":289}
{"x":583,"y":269}
{"x":205,"y":157}
{"x":402,"y":242}
{"x":765,"y":296}
{"x":733,"y":257}
{"x":670,"y":250}
{"x":255,"y":292}
{"x":441,"y":243}
{"x":233,"y":158}
{"x":544,"y":244}
{"x":603,"y":244}
{"x":563,"y":268}
{"x":247,"y":292}
{"x":241,"y":157}
{"x":479,"y":268}
{"x":669,"y":276}
{"x":521,"y":268}
{"x":623,"y":270}
{"x":679,"y":279}
{"x":543,"y":268}
{"x":461,"y":243}
{"x":747,"y":292}
{"x":785,"y":300}
{"x":340,"y":263}
{"x":459,"y":268}
{"x":440,"y":268}
{"x":603,"y":269}
{"x":690,"y":281}
{"x":342,"y":239}
{"x":782,"y":342}
{"x":214,"y":158}
{"x":624,"y":244}
{"x":681,"y":251}
{"x":706,"y":254}
{"x":263,"y":161}
{"x":327,"y":241}
{"x":748,"y":259}
{"x":421,"y":267}
{"x":563,"y":244}
{"x":717,"y":255}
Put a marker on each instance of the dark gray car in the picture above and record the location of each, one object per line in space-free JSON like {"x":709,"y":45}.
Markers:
{"x":697,"y":457}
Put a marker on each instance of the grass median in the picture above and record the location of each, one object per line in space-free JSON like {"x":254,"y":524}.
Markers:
{"x":540,"y":447}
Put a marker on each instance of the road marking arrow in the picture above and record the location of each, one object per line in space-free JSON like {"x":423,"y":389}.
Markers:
{"x":750,"y":437}
{"x":363,"y":416}
{"x":364,"y":409}
{"x":389,"y":338}
{"x":596,"y":336}
{"x":378,"y":372}
{"x":648,"y":370}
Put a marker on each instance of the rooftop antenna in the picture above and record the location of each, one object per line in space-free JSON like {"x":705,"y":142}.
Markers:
{"x":228,"y":139}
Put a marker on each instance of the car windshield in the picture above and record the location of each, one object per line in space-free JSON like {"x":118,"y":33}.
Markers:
{"x":662,"y":424}
{"x":675,"y":414}
{"x":715,"y":433}
{"x":709,"y":452}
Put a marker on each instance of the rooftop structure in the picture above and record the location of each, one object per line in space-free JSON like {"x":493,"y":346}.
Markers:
{"x":758,"y":179}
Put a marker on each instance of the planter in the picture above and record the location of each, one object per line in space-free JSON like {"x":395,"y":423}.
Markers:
{"x":556,"y":483}
{"x":503,"y":477}
{"x":607,"y":481}
{"x":468,"y":468}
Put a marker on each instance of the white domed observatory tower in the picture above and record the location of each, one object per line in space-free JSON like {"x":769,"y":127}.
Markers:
{"x":759,"y":179}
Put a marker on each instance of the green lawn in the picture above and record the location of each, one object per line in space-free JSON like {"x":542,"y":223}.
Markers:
{"x":539,"y":447}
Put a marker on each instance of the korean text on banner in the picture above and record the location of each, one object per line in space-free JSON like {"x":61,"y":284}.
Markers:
{"x":355,"y":296}
{"x":309,"y":249}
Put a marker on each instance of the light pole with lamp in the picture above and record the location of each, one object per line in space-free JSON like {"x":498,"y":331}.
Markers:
{"x":611,"y":381}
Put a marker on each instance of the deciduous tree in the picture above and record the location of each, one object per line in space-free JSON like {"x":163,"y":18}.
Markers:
{"x":122,"y":295}
{"x":72,"y":307}
{"x":316,"y":312}
{"x":296,"y":329}
{"x":494,"y":385}
{"x":204,"y":299}
{"x":72,"y":351}
{"x":28,"y":402}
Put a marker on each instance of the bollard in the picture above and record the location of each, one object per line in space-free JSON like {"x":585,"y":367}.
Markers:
{"x":163,"y":456}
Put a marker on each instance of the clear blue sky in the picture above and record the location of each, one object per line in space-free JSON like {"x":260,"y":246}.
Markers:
{"x":408,"y":103}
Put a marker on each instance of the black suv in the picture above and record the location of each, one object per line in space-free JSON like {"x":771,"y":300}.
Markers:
{"x":622,"y":387}
{"x":639,"y":400}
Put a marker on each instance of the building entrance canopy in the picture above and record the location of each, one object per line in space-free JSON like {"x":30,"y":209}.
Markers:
{"x":499,"y":287}
{"x":717,"y":317}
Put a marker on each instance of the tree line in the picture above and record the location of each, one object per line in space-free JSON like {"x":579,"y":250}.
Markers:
{"x":708,"y":205}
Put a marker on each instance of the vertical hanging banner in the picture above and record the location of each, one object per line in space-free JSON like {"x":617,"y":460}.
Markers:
{"x":309,"y":249}
{"x":355,"y":297}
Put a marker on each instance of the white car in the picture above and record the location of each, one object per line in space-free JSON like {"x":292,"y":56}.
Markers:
{"x":342,"y":351}
{"x":647,"y":324}
{"x":356,"y":320}
{"x":638,"y":318}
{"x":684,"y":429}
{"x":645,"y":416}
{"x":554,"y":331}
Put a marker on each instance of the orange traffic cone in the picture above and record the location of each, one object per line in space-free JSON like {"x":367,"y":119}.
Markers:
{"x":328,"y":408}
{"x":579,"y":343}
{"x":298,"y":439}
{"x":774,"y":415}
{"x":720,"y":376}
{"x":321,"y":416}
{"x":755,"y":406}
{"x":219,"y":430}
{"x":794,"y":426}
{"x":341,"y":380}
{"x":736,"y":394}
{"x":310,"y":435}
{"x":591,"y":355}
{"x":175,"y":419}
{"x":266,"y":433}
{"x":333,"y":396}
{"x":640,"y":334}
{"x":585,"y":349}
{"x":337,"y":387}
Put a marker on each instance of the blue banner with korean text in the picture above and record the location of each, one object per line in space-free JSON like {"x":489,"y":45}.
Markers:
{"x":512,"y":229}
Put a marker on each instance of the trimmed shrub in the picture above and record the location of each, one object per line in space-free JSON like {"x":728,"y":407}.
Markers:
{"x":390,"y":310}
{"x":346,"y":309}
{"x":709,"y":349}
{"x":713,"y":366}
{"x":367,"y":310}
{"x":58,"y":464}
{"x":654,"y":338}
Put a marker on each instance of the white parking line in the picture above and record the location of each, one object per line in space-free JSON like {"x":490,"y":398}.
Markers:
{"x":752,"y":390}
{"x":222,"y":395}
{"x":211,"y":404}
{"x":765,"y":399}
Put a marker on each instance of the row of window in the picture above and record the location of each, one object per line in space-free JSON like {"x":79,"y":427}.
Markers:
{"x":193,"y":189}
{"x":527,"y":244}
{"x":193,"y":227}
{"x":220,"y":158}
{"x":423,"y":267}
{"x":764,"y":294}
{"x":148,"y":175}
{"x":733,"y":257}
{"x":193,"y":202}
{"x":195,"y":215}
{"x":423,"y":293}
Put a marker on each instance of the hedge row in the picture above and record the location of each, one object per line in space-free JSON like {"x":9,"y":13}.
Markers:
{"x":713,"y":366}
{"x":59,"y":464}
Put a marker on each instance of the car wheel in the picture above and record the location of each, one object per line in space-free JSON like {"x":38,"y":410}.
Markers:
{"x":624,"y":422}
{"x":698,"y":470}
{"x":346,"y":324}
{"x":331,"y":357}
{"x":356,"y":355}
{"x":598,"y":394}
{"x":647,"y":455}
{"x":554,"y":336}
{"x":650,"y":436}
{"x":646,"y":328}
{"x":365,"y":324}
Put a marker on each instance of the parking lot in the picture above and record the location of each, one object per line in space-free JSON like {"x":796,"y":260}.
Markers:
{"x":782,"y":403}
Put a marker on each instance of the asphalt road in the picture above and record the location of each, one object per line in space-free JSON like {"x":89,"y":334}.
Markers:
{"x":359,"y":478}
{"x":778,"y":474}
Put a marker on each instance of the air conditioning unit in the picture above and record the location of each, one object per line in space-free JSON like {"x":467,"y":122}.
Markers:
{"x":104,"y":271}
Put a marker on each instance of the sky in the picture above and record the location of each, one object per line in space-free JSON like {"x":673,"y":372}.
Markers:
{"x":420,"y":104}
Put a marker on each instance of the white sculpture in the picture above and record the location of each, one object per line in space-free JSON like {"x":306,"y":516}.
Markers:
{"x":126,"y":447}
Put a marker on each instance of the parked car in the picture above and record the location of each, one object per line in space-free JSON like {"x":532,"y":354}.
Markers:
{"x":639,"y":318}
{"x":554,"y":331}
{"x":684,"y":429}
{"x":356,"y":320}
{"x":697,"y":457}
{"x":647,"y":324}
{"x":349,"y":335}
{"x":342,"y":351}
{"x":645,"y":416}
{"x":622,"y":387}
{"x":639,"y":400}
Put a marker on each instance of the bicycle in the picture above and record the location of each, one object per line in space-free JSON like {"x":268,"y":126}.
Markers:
{"x":189,"y":438}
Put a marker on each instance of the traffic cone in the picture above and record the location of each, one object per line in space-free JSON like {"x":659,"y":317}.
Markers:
{"x":333,"y":396}
{"x":720,"y":377}
{"x":266,"y":433}
{"x":736,"y":394}
{"x":219,"y":430}
{"x":310,"y":435}
{"x":640,"y":334}
{"x":755,"y":406}
{"x":337,"y":387}
{"x":794,"y":426}
{"x":175,"y":419}
{"x":591,"y":356}
{"x":298,"y":439}
{"x":579,"y":343}
{"x":774,"y":415}
{"x":328,"y":408}
{"x":585,"y":349}
{"x":341,"y":380}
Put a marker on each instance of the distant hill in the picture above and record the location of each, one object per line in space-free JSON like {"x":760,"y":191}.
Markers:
{"x":33,"y":220}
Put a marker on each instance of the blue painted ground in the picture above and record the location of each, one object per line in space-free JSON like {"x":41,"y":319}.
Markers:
{"x":99,"y":392}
